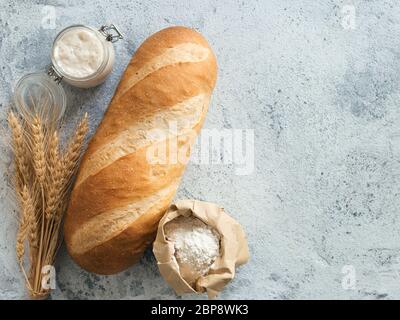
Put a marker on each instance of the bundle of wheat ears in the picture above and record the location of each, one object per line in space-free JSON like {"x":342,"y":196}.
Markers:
{"x":44,"y":172}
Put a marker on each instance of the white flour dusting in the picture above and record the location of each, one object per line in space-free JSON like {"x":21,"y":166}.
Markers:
{"x":196,"y":246}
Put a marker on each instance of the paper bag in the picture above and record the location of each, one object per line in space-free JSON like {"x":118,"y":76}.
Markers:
{"x":233,"y":248}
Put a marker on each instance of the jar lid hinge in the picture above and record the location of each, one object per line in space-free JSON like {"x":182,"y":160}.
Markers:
{"x":111,"y":33}
{"x":53,"y":73}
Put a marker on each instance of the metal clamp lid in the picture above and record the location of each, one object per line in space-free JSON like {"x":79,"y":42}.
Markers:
{"x":111,"y":33}
{"x":53,"y":73}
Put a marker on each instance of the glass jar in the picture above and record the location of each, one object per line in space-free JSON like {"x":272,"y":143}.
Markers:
{"x":37,"y":94}
{"x":87,"y":59}
{"x":84,"y":56}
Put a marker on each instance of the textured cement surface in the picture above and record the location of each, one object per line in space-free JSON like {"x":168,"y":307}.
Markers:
{"x":322,"y":205}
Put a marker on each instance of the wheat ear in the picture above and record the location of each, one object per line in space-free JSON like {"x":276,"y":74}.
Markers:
{"x":54,"y":155}
{"x":74,"y":149}
{"x":20,"y":150}
{"x":34,"y":233}
{"x":38,"y":150}
{"x":55,"y":177}
{"x":27,"y":216}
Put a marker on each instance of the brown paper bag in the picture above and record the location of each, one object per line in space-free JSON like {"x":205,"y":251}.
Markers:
{"x":234,"y":249}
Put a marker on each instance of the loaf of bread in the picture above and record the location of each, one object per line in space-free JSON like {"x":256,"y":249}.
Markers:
{"x":134,"y":163}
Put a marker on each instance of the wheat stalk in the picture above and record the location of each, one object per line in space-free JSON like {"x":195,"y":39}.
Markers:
{"x":43,"y":182}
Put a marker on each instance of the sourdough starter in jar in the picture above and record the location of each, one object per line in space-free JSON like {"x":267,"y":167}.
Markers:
{"x":82,"y":56}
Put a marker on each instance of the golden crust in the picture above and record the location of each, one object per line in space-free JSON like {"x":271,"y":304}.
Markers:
{"x":131,"y":178}
{"x":126,"y":248}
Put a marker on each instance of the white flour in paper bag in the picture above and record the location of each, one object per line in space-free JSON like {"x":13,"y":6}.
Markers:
{"x":196,"y":245}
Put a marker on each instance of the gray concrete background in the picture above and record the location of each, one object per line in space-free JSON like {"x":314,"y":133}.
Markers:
{"x":323,"y":101}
